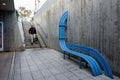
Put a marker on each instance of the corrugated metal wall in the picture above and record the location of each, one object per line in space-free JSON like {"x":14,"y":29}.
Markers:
{"x":93,"y":23}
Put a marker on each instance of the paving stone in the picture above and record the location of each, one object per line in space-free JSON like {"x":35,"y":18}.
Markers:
{"x":71,"y":76}
{"x":3,"y":78}
{"x":79,"y":74}
{"x":26,"y":76}
{"x":37,"y":75}
{"x":17,"y":76}
{"x":43,"y":64}
{"x":72,"y":67}
{"x":54,"y":70}
{"x":46,"y":72}
{"x":89,"y":78}
{"x":61,"y":77}
{"x":50,"y":78}
{"x":25,"y":70}
{"x":34,"y":68}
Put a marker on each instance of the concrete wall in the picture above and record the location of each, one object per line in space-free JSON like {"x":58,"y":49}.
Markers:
{"x":93,"y":23}
{"x":12,"y":37}
{"x":21,"y":33}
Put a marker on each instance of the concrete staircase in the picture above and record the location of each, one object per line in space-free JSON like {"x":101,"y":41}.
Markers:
{"x":26,"y":26}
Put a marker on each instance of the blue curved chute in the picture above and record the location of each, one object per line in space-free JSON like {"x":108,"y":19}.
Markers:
{"x":95,"y":54}
{"x":96,"y":70}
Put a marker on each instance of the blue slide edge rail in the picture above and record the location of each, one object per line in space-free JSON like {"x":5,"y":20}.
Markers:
{"x":96,"y":70}
{"x":94,"y":53}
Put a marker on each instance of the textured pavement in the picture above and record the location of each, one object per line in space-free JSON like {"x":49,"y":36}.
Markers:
{"x":42,"y":64}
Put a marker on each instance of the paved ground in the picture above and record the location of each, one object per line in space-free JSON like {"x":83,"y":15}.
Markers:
{"x":42,"y":64}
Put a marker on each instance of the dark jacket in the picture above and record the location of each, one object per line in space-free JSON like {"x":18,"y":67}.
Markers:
{"x":32,"y":30}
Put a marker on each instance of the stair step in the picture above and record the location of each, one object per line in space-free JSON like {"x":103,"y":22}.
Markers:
{"x":26,"y":26}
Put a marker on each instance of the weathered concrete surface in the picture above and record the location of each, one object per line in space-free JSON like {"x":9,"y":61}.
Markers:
{"x":22,"y":33}
{"x":93,"y":23}
{"x":12,"y":38}
{"x":42,"y":64}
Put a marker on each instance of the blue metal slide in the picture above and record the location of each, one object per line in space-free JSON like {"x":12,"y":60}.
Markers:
{"x":94,"y":66}
{"x":95,"y":54}
{"x":89,"y":53}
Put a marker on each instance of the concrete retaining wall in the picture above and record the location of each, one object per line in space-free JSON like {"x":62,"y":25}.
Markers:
{"x":93,"y":23}
{"x":12,"y":37}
